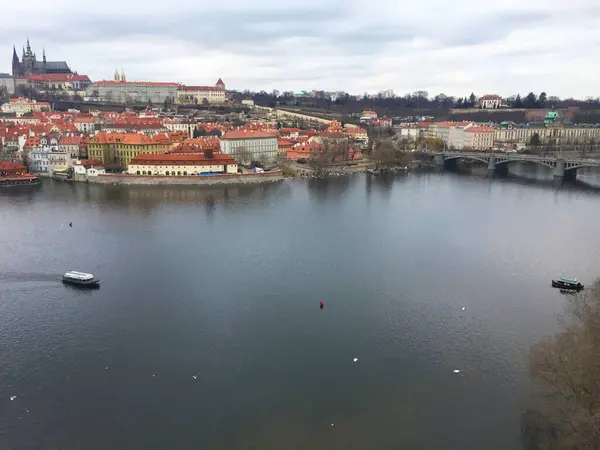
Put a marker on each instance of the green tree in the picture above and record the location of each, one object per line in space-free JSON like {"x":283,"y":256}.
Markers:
{"x":530,"y":101}
{"x":518,"y":102}
{"x":472,"y":100}
{"x":3,"y":95}
{"x":542,"y":100}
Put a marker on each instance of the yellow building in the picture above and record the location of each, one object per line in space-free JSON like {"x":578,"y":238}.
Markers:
{"x":116,"y":150}
{"x":182,"y":164}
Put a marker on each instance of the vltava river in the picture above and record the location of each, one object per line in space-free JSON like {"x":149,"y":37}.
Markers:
{"x":207,"y":333}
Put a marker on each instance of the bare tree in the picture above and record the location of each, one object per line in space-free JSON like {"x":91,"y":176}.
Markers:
{"x":243,"y":156}
{"x":567,"y":369}
{"x":384,"y":155}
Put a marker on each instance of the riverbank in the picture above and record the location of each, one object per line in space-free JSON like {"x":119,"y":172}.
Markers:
{"x":216,"y":180}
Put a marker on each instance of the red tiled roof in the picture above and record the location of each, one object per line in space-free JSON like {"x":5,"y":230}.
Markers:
{"x":134,"y":126}
{"x":80,"y":119}
{"x":219,"y":81}
{"x":58,"y":77}
{"x":7,"y":165}
{"x":127,"y":138}
{"x":249,"y":134}
{"x":201,"y":88}
{"x":70,"y":140}
{"x":198,"y":145}
{"x":32,"y":141}
{"x":480,"y":129}
{"x":182,"y":159}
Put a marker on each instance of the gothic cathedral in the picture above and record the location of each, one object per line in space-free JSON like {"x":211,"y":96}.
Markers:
{"x":30,"y":65}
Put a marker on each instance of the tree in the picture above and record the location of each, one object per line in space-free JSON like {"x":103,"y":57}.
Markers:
{"x":518,"y":102}
{"x":3,"y":95}
{"x":542,"y":99}
{"x":566,"y":368}
{"x":535,"y":140}
{"x":472,"y":100}
{"x":530,"y":101}
{"x":205,"y":102}
{"x":384,"y":155}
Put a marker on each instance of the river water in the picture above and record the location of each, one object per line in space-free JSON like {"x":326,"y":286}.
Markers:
{"x":207,"y":333}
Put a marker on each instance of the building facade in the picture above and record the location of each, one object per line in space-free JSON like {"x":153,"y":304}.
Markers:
{"x":22,"y":105}
{"x":116,"y":150}
{"x":490,"y":101}
{"x":28,"y":64}
{"x":135,"y":91}
{"x":247,"y":146}
{"x":202,"y":94}
{"x":7,"y":82}
{"x":66,"y":82}
{"x":551,"y":131}
{"x":181,"y":164}
{"x":479,"y":138}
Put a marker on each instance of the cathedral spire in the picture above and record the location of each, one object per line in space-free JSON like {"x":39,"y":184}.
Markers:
{"x":15,"y":57}
{"x":44,"y":55}
{"x":28,"y":47}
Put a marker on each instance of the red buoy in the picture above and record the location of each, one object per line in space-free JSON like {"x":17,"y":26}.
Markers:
{"x":321,"y":305}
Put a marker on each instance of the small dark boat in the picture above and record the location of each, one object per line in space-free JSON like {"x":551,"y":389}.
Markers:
{"x":567,"y":283}
{"x":80,"y":279}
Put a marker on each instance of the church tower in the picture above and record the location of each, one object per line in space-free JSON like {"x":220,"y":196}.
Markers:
{"x":117,"y":76}
{"x":28,"y":61}
{"x":123,"y":79}
{"x":16,"y":65}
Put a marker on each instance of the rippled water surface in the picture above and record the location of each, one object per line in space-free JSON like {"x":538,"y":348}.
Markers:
{"x":207,"y":333}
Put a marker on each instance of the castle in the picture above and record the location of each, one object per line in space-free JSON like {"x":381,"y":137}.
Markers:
{"x":29,"y":65}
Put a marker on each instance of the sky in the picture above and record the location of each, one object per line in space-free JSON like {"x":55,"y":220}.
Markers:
{"x":439,"y":46}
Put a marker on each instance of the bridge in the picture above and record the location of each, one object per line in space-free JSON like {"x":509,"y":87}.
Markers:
{"x":561,"y":165}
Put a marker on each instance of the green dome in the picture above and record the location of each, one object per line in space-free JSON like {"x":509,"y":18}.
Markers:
{"x":552,"y":115}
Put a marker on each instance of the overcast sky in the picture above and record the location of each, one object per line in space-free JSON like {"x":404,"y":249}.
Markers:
{"x":450,"y":46}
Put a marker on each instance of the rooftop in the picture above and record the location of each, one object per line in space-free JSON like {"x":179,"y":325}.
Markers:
{"x":249,"y":134}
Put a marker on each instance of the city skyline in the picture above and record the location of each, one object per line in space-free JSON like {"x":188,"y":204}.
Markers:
{"x":505,"y":48}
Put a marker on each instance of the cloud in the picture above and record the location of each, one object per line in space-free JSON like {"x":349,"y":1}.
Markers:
{"x":455,"y":47}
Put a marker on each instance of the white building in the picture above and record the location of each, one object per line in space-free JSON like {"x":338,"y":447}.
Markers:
{"x":181,"y":125}
{"x":490,"y":101}
{"x":38,"y":151}
{"x":87,"y":168}
{"x":8,"y":82}
{"x":452,"y":133}
{"x":248,"y":102}
{"x":85,"y":125}
{"x":67,"y":82}
{"x":20,"y":105}
{"x":202,"y":94}
{"x":59,"y":160}
{"x":70,"y":144}
{"x":247,"y":146}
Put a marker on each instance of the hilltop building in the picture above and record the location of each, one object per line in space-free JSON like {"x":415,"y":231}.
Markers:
{"x":28,"y":64}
